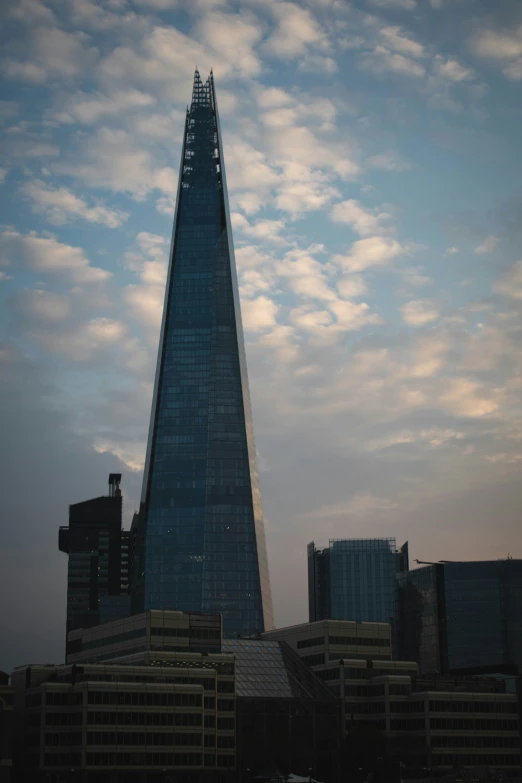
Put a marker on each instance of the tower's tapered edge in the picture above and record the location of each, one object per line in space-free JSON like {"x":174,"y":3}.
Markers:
{"x":200,"y":537}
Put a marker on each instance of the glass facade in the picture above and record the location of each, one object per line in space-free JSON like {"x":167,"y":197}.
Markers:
{"x":200,"y":539}
{"x":354,"y":579}
{"x":483,"y":613}
{"x":420,"y":626}
{"x":461,"y":615}
{"x":362,"y":579}
{"x":318,"y":583}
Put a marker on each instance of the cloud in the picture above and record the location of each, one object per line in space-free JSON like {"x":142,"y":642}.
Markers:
{"x":360,"y":506}
{"x":401,"y":5}
{"x":370,"y":252}
{"x":451,"y":69}
{"x":259,"y":314}
{"x":46,"y":254}
{"x":462,"y":397}
{"x":363,"y":221}
{"x":352,"y":286}
{"x":382,"y":62}
{"x":502,"y":46}
{"x":419,"y":312}
{"x":111,"y":159}
{"x":59,"y":205}
{"x":246,"y":165}
{"x":388,"y":161}
{"x":54,"y":54}
{"x":91,"y":108}
{"x":297,"y":30}
{"x":510,"y":284}
{"x":298,"y":144}
{"x":232,"y":33}
{"x":318,"y":63}
{"x":272,"y":97}
{"x":487,"y":246}
{"x":267,"y":230}
{"x":148,"y":259}
{"x":303,"y":189}
{"x":394,"y":38}
{"x":85,"y":340}
{"x":42,"y":306}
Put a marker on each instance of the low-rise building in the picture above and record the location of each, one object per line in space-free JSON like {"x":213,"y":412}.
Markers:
{"x":156,"y":629}
{"x":127,"y":720}
{"x":6,"y":728}
{"x":330,"y":640}
{"x":145,"y":696}
{"x":427,"y":722}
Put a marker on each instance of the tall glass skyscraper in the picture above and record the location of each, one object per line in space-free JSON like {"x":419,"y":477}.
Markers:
{"x":200,"y":539}
{"x":354,"y":579}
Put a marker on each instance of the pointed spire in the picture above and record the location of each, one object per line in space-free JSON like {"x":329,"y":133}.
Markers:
{"x":200,"y":91}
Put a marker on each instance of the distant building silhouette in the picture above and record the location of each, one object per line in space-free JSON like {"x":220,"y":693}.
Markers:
{"x":98,"y":549}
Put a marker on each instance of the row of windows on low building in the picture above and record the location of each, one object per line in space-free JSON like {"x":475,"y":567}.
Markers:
{"x":454,"y":741}
{"x":472,"y":759}
{"x":363,"y":641}
{"x":153,"y":719}
{"x":434,"y":706}
{"x":72,"y":760}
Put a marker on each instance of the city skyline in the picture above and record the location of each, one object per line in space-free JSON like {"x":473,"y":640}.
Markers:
{"x":376,"y":210}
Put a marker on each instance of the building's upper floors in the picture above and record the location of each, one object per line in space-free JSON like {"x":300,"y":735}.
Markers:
{"x":331,"y":640}
{"x":154,"y":630}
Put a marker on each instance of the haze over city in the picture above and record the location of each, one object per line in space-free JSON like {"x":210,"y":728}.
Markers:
{"x":373,"y":157}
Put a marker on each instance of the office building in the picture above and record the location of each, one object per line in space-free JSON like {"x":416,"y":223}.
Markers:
{"x":330,"y":640}
{"x":169,"y":699}
{"x":288,"y":721}
{"x":150,"y":631}
{"x":127,"y":723}
{"x":200,"y":535}
{"x":430,"y":723}
{"x":98,"y":569}
{"x":354,"y":579}
{"x":423,"y":722}
{"x":461,"y":615}
{"x":6,"y":728}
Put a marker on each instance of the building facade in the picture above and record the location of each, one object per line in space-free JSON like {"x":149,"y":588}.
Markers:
{"x":330,"y":640}
{"x":423,"y":722}
{"x":461,"y":615}
{"x":150,"y":631}
{"x":288,"y":721}
{"x":6,"y":728}
{"x":200,"y":533}
{"x":354,"y":579}
{"x":98,"y":568}
{"x":429,"y":723}
{"x":127,"y":723}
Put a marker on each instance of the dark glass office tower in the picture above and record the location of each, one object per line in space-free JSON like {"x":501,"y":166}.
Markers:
{"x":354,"y":579}
{"x":200,"y":539}
{"x":461,"y":615}
{"x":97,"y":577}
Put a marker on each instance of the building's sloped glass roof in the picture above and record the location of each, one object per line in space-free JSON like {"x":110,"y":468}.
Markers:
{"x":270,"y":669}
{"x":260,"y":668}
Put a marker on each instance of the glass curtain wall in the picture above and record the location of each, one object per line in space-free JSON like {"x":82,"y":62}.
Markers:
{"x":362,"y":579}
{"x":201,"y":543}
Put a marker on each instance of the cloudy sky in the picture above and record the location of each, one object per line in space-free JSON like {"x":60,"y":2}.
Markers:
{"x":373,"y":159}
